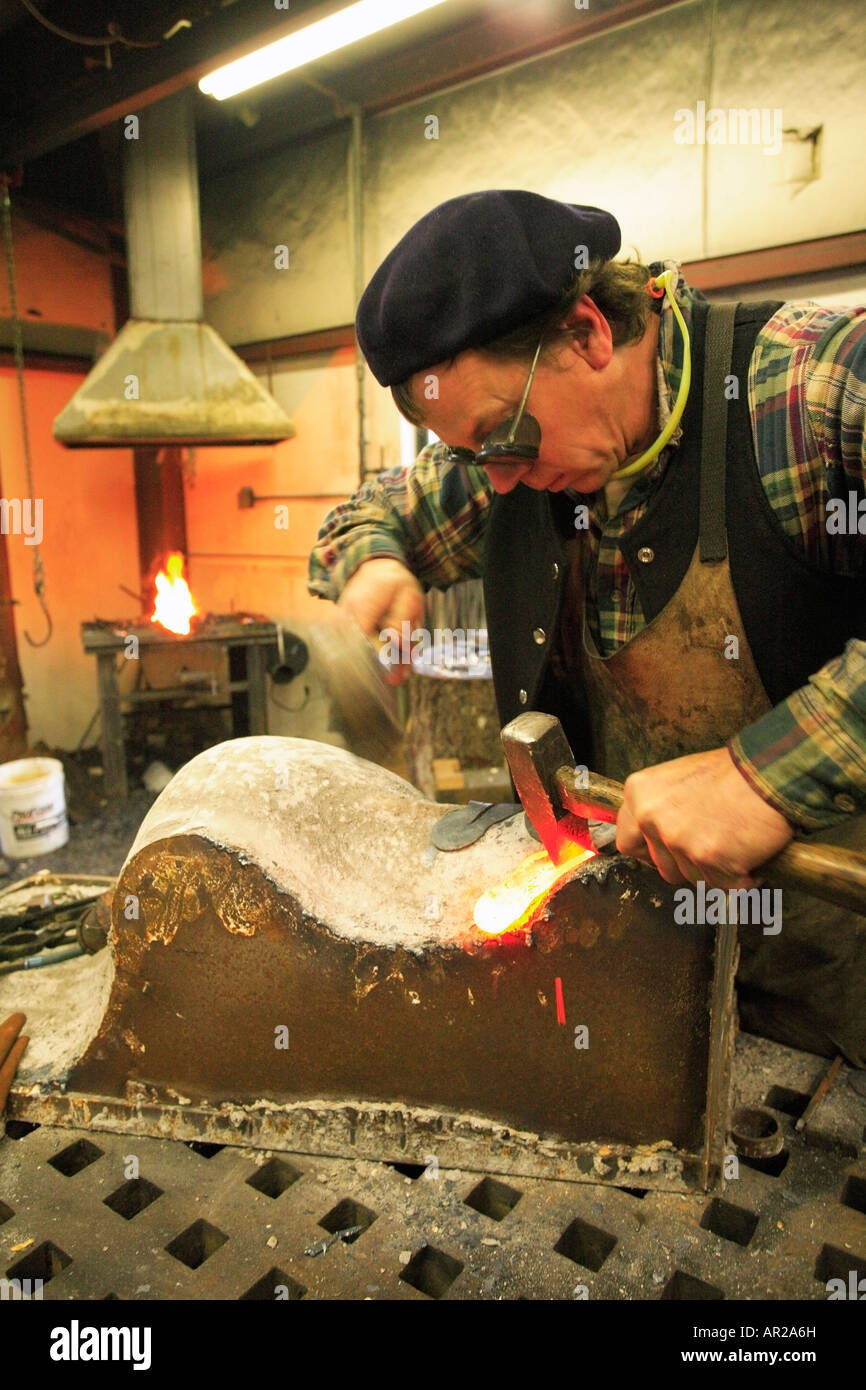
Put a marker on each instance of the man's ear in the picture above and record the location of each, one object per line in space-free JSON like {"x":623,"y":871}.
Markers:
{"x":591,"y":336}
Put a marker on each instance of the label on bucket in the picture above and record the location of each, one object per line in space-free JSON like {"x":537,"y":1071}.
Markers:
{"x":37,"y":821}
{"x":33,"y":818}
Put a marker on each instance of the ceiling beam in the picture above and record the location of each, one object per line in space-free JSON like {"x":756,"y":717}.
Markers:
{"x":817,"y":256}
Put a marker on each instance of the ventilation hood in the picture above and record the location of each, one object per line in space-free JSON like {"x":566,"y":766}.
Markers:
{"x":168,"y":377}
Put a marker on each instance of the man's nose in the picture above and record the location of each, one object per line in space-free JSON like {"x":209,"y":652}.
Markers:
{"x":505,"y":476}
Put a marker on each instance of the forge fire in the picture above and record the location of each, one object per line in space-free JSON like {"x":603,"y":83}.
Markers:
{"x":174,"y":606}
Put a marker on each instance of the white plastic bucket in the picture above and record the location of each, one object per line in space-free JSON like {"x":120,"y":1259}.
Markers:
{"x":32,"y":807}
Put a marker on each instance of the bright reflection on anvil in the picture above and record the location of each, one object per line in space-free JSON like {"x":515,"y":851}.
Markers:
{"x":510,"y":904}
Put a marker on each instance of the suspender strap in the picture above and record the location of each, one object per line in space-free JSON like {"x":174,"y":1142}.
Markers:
{"x":717,"y":361}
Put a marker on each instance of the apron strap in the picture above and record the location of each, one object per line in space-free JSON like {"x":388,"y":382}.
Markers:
{"x":717,"y":360}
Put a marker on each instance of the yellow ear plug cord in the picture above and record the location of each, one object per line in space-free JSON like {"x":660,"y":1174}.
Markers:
{"x":665,"y":282}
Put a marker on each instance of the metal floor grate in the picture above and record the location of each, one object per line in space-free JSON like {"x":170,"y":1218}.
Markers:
{"x":97,"y":1216}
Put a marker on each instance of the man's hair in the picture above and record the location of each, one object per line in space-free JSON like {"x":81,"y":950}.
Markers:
{"x":617,"y":288}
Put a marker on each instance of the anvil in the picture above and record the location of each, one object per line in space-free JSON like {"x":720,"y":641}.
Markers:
{"x":292,"y":964}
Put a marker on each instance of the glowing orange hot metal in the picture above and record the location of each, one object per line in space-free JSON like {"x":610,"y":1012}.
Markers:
{"x":174,"y":603}
{"x":510,"y":904}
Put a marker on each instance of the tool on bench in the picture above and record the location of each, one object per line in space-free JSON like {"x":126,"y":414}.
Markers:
{"x":11,"y":1050}
{"x":25,"y":936}
{"x":50,"y":917}
{"x":559,"y":798}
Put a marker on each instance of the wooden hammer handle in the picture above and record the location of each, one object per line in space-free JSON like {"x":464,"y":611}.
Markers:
{"x":825,"y":871}
{"x":588,"y":795}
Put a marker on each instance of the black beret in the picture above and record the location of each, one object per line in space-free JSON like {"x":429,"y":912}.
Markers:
{"x":474,"y":268}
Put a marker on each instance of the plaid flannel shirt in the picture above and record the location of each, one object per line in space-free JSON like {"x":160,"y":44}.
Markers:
{"x":807,"y":404}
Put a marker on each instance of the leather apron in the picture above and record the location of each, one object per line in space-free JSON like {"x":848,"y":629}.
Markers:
{"x":672,"y":690}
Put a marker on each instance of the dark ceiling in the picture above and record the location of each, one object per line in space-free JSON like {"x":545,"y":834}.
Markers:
{"x":62,"y":103}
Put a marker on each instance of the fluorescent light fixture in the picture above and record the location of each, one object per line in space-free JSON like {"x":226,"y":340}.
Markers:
{"x":305,"y":45}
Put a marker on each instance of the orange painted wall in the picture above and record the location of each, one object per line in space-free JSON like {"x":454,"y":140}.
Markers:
{"x":89,"y":547}
{"x":88,"y":506}
{"x":58,"y":280}
{"x":241,"y":559}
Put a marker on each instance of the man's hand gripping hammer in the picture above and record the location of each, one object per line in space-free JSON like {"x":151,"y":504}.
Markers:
{"x":559,"y":798}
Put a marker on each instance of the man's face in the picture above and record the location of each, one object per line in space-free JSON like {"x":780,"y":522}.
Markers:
{"x":589,"y":423}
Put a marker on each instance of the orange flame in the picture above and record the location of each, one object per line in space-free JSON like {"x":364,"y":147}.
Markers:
{"x":174,"y":604}
{"x":510,"y":904}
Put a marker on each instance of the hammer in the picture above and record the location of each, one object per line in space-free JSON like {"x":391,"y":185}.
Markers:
{"x":553,"y":791}
{"x":355,"y":677}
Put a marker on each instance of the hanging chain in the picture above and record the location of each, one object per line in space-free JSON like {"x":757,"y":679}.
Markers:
{"x":18,"y":351}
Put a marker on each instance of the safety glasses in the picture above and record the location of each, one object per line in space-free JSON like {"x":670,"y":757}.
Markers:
{"x":515,"y":440}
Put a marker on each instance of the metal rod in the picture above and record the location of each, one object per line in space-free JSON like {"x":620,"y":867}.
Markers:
{"x":356,"y":207}
{"x":820,"y":1092}
{"x":9,"y":1067}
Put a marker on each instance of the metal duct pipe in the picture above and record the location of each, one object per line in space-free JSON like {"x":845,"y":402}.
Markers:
{"x":160,"y":196}
{"x":168,"y":377}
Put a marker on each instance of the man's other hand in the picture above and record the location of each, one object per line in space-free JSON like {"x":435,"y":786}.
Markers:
{"x":382,"y":594}
{"x":698,"y":818}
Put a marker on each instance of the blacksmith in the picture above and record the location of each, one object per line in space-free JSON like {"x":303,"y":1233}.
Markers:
{"x":651,"y":491}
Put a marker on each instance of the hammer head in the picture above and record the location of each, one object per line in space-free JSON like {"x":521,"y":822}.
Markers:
{"x":536,"y":748}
